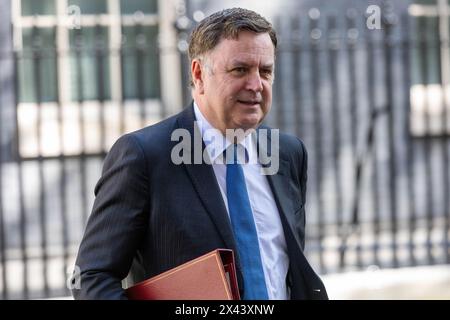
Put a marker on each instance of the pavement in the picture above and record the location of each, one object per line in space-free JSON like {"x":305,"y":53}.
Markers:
{"x":413,"y":283}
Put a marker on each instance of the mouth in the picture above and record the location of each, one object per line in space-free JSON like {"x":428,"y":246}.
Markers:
{"x":250,"y":102}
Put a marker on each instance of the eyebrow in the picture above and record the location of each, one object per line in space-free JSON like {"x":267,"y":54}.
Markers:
{"x":244,"y":64}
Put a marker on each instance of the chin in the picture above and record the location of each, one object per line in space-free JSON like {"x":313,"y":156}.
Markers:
{"x":249,"y":123}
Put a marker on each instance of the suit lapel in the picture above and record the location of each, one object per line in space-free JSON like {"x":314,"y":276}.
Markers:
{"x":279,"y":184}
{"x":205,"y":183}
{"x":307,"y":282}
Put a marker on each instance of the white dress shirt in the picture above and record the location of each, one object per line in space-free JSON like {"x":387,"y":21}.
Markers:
{"x":272,"y":242}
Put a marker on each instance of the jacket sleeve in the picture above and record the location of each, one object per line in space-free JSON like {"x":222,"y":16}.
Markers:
{"x":116,"y":225}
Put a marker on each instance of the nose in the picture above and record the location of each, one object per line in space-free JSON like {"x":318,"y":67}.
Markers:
{"x":254,"y":82}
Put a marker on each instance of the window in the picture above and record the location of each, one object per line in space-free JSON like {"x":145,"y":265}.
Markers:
{"x":430,"y":69}
{"x":90,"y":6}
{"x":37,"y":65}
{"x":38,"y":7}
{"x":85,"y":79}
{"x":90,"y":61}
{"x":137,"y":62}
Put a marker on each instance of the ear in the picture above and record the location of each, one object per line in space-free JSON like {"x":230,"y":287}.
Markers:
{"x":197,"y":76}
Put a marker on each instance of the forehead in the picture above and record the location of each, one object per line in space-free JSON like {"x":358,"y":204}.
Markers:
{"x":248,"y":47}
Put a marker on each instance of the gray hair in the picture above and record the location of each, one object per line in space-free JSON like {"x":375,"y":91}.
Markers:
{"x":226,"y":24}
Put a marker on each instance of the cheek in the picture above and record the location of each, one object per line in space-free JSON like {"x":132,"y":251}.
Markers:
{"x":267,"y":88}
{"x":233,"y":88}
{"x":267,"y":94}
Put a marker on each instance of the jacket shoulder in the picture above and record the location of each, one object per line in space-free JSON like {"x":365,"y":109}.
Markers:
{"x":289,"y":144}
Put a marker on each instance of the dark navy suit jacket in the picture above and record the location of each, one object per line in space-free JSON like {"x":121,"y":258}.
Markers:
{"x":151,"y":215}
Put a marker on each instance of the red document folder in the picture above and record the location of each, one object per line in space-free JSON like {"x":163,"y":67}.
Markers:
{"x":208,"y":277}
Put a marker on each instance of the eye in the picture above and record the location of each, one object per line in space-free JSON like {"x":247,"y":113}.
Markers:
{"x":266,"y":73}
{"x":239,"y":71}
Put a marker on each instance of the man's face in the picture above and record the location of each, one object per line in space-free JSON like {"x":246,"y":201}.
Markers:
{"x":236,"y":81}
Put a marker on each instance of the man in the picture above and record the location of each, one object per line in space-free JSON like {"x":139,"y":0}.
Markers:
{"x":153,"y":212}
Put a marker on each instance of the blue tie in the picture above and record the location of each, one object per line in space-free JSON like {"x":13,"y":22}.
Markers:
{"x":245,"y":232}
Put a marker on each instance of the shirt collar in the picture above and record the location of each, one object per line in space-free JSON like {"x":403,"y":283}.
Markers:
{"x":215,"y":141}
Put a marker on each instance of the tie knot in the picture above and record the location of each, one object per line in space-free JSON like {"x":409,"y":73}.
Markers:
{"x":236,"y":154}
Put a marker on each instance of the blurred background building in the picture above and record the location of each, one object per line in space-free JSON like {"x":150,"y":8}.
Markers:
{"x":365,"y":84}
